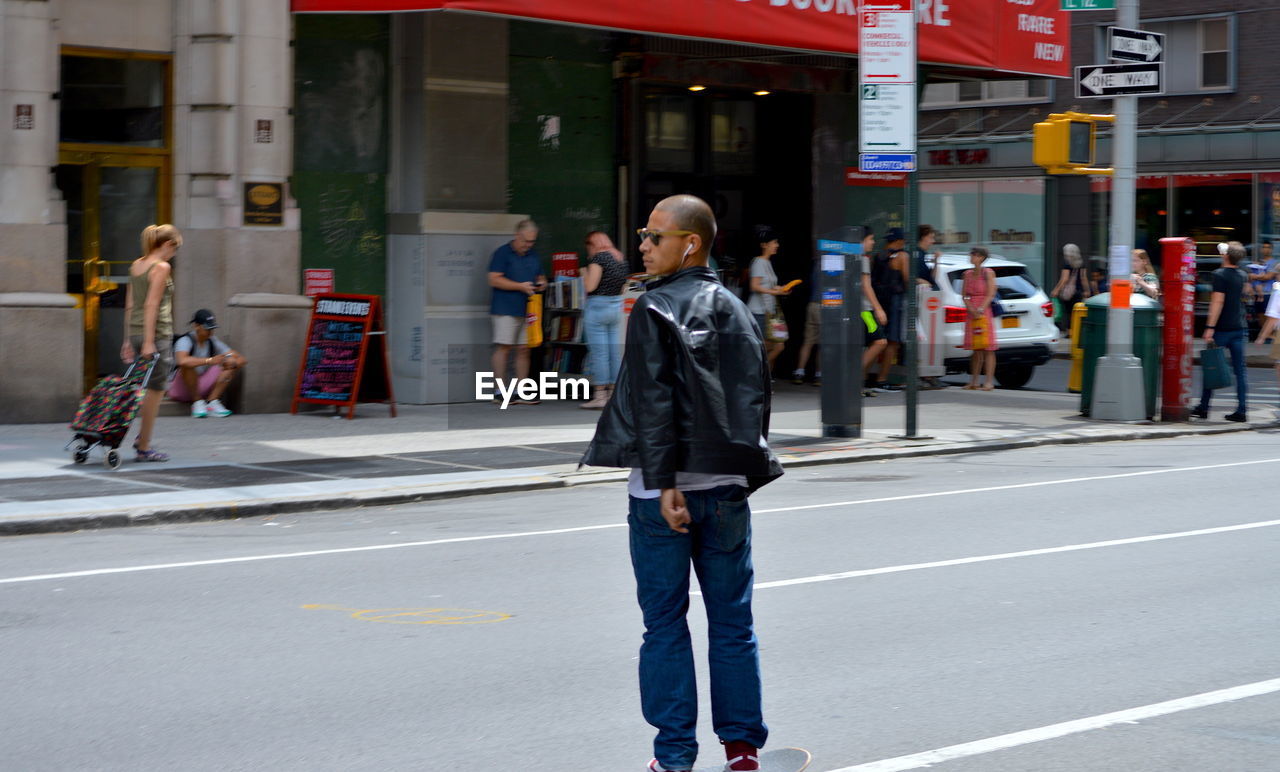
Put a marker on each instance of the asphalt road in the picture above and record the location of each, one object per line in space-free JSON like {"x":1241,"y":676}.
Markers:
{"x":975,"y":603}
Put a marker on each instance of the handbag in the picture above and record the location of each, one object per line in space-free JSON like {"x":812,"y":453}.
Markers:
{"x":1213,"y":368}
{"x":775,"y":327}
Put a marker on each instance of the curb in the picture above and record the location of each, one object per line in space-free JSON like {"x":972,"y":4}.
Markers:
{"x":545,"y":479}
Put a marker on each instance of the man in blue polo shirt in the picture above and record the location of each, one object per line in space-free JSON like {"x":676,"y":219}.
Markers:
{"x":515,"y":273}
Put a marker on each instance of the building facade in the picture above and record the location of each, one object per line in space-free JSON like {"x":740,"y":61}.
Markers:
{"x":125,"y":113}
{"x":1208,"y":148}
{"x":393,"y":152}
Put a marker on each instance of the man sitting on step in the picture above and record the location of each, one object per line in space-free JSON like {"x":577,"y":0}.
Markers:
{"x":206,"y":366}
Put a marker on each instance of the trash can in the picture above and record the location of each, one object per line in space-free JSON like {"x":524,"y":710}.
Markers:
{"x":1147,"y":337}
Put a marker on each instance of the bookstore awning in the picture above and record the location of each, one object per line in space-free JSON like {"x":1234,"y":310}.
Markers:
{"x":1018,"y":36}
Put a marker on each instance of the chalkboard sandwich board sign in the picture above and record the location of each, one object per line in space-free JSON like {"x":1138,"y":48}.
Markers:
{"x":345,"y":357}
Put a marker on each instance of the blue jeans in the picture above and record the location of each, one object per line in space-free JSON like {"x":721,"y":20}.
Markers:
{"x":1233,"y":341}
{"x":602,"y":321}
{"x":719,"y":547}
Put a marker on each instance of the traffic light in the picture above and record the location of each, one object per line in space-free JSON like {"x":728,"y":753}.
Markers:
{"x":1065,"y":143}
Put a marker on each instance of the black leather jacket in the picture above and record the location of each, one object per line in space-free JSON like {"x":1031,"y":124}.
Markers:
{"x":693,"y":393}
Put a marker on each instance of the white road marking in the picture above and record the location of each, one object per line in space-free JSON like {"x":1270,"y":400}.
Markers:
{"x":581,"y":529}
{"x":1016,"y":486}
{"x":1054,"y":731}
{"x":307,"y":554}
{"x":1010,"y":555}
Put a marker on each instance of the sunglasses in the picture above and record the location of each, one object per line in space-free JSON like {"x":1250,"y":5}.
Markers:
{"x":656,"y":236}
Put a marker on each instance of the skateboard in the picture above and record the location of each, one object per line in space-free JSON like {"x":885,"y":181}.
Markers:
{"x":781,"y":760}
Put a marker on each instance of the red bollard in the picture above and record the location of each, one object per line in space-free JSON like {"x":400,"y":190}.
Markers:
{"x":1178,"y":291}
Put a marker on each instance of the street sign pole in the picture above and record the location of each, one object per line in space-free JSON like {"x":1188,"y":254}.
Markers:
{"x":910,"y":342}
{"x":888,"y":80}
{"x":1118,"y":390}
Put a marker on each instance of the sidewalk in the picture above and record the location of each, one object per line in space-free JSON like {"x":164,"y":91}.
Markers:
{"x":266,"y":464}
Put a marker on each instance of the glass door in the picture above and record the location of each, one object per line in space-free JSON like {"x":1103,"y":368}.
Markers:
{"x":110,"y":199}
{"x":114,"y":174}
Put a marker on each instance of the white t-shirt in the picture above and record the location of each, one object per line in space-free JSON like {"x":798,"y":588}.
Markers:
{"x":210,"y":348}
{"x":685,"y":481}
{"x":761,"y":303}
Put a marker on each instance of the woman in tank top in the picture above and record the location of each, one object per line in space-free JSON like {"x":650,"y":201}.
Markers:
{"x":604,"y":279}
{"x":148,"y":313}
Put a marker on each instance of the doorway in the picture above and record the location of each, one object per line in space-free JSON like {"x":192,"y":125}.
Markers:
{"x":748,"y":156}
{"x":114,"y":174}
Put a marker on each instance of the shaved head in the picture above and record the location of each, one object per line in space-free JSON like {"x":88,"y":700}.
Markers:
{"x":691,"y":213}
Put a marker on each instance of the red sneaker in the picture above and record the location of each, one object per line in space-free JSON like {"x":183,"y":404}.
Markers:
{"x":742,"y":757}
{"x":656,"y":766}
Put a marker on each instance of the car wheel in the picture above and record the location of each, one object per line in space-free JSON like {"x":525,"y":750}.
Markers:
{"x":1014,"y":376}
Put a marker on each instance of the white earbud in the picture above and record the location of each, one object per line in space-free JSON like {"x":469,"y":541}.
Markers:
{"x":687,"y":250}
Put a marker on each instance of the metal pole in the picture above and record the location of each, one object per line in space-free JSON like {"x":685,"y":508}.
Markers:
{"x":1123,"y":199}
{"x":1118,"y":387}
{"x":910,"y":345}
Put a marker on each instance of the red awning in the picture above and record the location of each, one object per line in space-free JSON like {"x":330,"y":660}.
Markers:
{"x":1021,"y":36}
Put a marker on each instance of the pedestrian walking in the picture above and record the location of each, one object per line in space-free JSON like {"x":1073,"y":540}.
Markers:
{"x":926,"y":236}
{"x":1074,"y":284}
{"x":603,"y":279}
{"x":765,"y":291}
{"x":691,"y":422}
{"x":1226,"y":327}
{"x":873,"y":339}
{"x":148,"y":333}
{"x":515,"y":273}
{"x":812,"y":331}
{"x":979,"y":290}
{"x":890,"y":273}
{"x":1144,"y":278}
{"x":1268,"y":331}
{"x":1262,"y":275}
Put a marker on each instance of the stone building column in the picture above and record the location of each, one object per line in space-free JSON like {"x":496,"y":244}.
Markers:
{"x":41,"y":342}
{"x":449,"y":200}
{"x":232,"y":98}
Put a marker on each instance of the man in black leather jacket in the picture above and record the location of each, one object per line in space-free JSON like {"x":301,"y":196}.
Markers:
{"x":690,"y":417}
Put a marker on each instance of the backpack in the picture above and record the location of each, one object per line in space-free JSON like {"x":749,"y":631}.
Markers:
{"x":884,"y":279}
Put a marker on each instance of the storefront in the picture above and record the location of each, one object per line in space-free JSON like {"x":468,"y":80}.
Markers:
{"x":608,"y":107}
{"x":1208,"y":207}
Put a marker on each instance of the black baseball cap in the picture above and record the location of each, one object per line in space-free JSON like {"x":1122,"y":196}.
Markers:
{"x":204,"y":317}
{"x":895,"y":234}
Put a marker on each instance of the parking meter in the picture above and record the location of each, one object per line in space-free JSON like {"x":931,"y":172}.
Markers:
{"x":842,"y":333}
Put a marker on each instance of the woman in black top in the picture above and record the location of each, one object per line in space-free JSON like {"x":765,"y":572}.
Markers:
{"x":603,"y":278}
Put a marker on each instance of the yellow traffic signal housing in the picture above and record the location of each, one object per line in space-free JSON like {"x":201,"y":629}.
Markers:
{"x":1065,"y":143}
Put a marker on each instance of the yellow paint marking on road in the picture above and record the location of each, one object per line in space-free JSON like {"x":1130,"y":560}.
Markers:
{"x":418,"y":616}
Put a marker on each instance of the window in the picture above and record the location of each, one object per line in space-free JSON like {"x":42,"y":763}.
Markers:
{"x":733,"y":128}
{"x":1012,"y":282}
{"x":1215,"y":54}
{"x":669,"y":133}
{"x":115,"y":100}
{"x":1006,"y":216}
{"x":981,"y":92}
{"x":1198,"y":53}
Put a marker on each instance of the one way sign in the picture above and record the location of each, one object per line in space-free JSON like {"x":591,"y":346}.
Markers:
{"x":1134,"y":45}
{"x":1109,"y":80}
